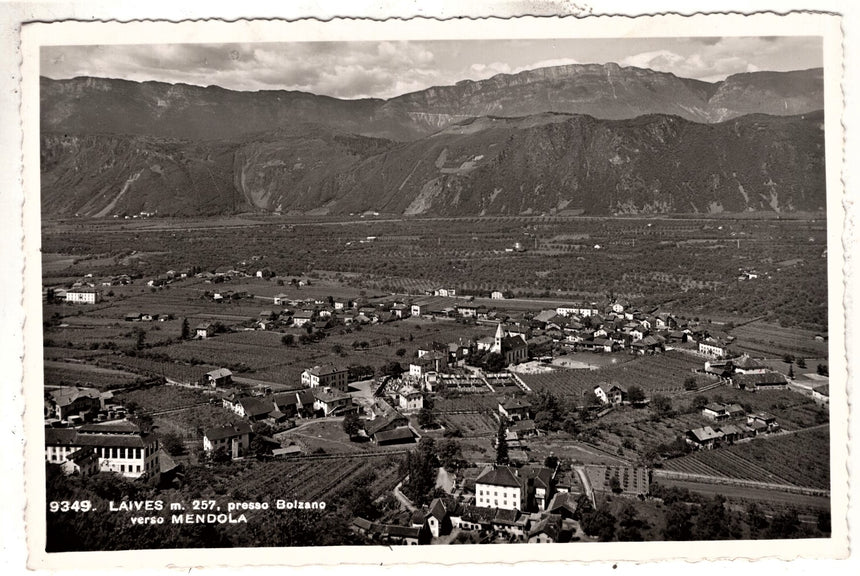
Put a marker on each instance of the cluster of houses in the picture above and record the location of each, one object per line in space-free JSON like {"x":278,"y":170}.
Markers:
{"x":745,"y":373}
{"x":526,"y":504}
{"x":726,"y":432}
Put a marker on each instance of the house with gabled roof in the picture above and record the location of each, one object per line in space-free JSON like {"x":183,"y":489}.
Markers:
{"x":204,"y":330}
{"x":768,"y":380}
{"x":563,"y":504}
{"x":218,"y":378}
{"x":72,"y":401}
{"x":444,"y":515}
{"x":821,"y":394}
{"x":255,"y":408}
{"x":234,"y":439}
{"x":515,"y":408}
{"x":703,"y":438}
{"x":326,"y":375}
{"x":547,"y":529}
{"x":498,"y":487}
{"x":510,"y":522}
{"x":332,"y":402}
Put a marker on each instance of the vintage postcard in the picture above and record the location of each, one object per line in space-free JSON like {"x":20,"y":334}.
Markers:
{"x":410,"y":291}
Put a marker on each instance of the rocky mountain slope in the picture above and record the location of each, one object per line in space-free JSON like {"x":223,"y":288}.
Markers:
{"x":538,"y":164}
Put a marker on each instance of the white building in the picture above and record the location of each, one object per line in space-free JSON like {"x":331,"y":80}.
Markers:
{"x":327,"y":375}
{"x":410,"y":400}
{"x":233,"y":439}
{"x":121,"y":447}
{"x":82,"y":296}
{"x":499,"y":488}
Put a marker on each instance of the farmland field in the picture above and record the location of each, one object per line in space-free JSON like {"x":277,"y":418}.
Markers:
{"x":771,"y":340}
{"x":801,"y":459}
{"x":469,"y":254}
{"x":74,"y":374}
{"x":749,"y":494}
{"x":471,"y":424}
{"x":314,"y":479}
{"x":663,"y":374}
{"x":163,"y":397}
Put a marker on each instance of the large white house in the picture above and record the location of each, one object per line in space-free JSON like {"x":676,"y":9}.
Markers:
{"x":327,"y":375}
{"x":82,"y":296}
{"x":120,"y":446}
{"x":499,"y":488}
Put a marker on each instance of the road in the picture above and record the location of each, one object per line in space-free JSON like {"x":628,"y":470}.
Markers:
{"x":583,"y":477}
{"x":444,"y":480}
{"x":401,"y":497}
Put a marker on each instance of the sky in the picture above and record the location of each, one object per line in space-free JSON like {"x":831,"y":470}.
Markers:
{"x":385,"y":69}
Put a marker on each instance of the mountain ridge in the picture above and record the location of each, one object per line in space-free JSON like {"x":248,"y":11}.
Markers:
{"x":90,"y":105}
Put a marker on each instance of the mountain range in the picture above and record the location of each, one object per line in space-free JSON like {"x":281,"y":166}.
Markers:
{"x":598,"y":139}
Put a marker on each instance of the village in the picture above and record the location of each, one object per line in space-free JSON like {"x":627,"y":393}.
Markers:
{"x":512,"y":376}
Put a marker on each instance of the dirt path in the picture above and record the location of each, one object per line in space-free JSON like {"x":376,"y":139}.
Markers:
{"x":583,"y":477}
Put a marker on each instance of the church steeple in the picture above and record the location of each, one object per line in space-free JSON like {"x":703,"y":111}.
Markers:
{"x":497,"y":344}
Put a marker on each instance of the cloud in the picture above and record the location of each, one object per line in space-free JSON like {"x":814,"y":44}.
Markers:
{"x":385,"y":69}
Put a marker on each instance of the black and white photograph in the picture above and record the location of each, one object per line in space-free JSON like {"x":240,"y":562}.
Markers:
{"x":401,"y":290}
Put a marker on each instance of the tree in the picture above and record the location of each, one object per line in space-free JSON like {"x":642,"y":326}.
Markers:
{"x":173,"y":444}
{"x":419,"y":468}
{"x":288,"y":339}
{"x":494,"y":362}
{"x":140,"y":338}
{"x":699,"y":402}
{"x":600,"y":523}
{"x":219,"y":456}
{"x":788,"y":358}
{"x":186,"y":330}
{"x":690,"y":383}
{"x":790,"y":372}
{"x":679,"y":524}
{"x":427,"y":420}
{"x":393,"y":369}
{"x":635,"y":395}
{"x":756,"y":520}
{"x":630,"y":525}
{"x":502,"y":457}
{"x":822,"y":370}
{"x":801,"y":362}
{"x":615,"y":485}
{"x":784,"y":525}
{"x":662,"y":405}
{"x":551,"y":461}
{"x":351,"y":425}
{"x":449,"y":453}
{"x":544,"y":420}
{"x":337,"y":349}
{"x":401,"y":352}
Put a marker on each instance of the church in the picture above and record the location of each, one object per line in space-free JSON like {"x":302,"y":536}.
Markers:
{"x":512,"y":348}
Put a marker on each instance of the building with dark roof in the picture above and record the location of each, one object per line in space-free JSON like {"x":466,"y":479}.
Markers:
{"x":402,"y":435}
{"x":121,"y":447}
{"x":499,"y":488}
{"x":234,"y":439}
{"x":72,"y":401}
{"x":327,"y":375}
{"x":759,"y":381}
